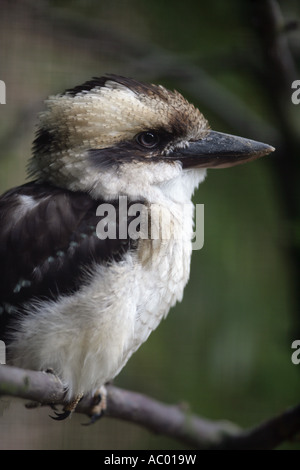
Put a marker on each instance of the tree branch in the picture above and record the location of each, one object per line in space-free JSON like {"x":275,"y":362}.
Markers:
{"x":173,"y":421}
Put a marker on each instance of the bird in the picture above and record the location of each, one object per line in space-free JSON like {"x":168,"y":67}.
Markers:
{"x":78,"y":303}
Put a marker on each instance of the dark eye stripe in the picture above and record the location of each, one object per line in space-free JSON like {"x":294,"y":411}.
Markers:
{"x":143,"y":145}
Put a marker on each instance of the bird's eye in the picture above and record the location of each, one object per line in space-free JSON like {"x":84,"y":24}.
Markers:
{"x":148,"y":139}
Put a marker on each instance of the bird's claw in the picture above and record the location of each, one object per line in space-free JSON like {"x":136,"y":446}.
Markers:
{"x":99,"y":406}
{"x":68,"y":409}
{"x":93,"y":418}
{"x":61,"y":416}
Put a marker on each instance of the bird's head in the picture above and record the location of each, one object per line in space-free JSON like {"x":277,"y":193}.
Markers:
{"x":114,"y":135}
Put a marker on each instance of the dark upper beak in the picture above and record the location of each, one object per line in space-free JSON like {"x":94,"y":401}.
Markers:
{"x":218,"y":150}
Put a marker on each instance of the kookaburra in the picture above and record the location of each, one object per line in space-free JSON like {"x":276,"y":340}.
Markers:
{"x":74,"y":302}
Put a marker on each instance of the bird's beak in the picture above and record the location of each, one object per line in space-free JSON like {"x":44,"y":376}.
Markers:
{"x":218,"y":150}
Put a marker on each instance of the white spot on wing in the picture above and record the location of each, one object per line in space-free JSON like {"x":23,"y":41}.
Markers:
{"x":26,"y":203}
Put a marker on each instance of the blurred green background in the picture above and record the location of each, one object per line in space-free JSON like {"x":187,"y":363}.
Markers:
{"x":226,"y":349}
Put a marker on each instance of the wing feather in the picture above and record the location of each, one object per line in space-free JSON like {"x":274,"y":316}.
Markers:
{"x":48,"y":243}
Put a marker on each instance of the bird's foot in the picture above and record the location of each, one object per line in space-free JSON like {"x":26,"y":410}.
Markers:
{"x":68,"y":409}
{"x":99,"y":405}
